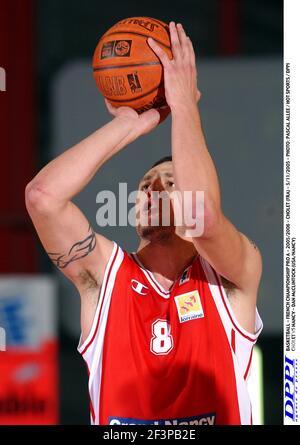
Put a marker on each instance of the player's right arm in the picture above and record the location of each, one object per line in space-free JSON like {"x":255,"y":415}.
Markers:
{"x":62,"y":228}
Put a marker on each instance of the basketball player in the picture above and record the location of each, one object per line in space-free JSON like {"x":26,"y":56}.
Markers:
{"x":167,"y":332}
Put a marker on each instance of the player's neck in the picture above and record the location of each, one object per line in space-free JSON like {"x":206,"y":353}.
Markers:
{"x":166,"y":260}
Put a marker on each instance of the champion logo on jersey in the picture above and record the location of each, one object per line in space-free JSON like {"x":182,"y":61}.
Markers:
{"x":139,"y":287}
{"x":185,"y":277}
{"x":189,"y":306}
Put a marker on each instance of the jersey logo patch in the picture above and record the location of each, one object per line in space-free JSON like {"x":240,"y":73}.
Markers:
{"x":139,"y":287}
{"x":185,"y":277}
{"x":189,"y":306}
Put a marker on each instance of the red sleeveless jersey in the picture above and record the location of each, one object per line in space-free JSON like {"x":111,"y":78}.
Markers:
{"x":166,"y":358}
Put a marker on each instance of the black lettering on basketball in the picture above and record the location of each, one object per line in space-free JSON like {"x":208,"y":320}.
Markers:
{"x":134,"y":83}
{"x":116,"y":48}
{"x":122,"y":48}
{"x":121,"y":88}
{"x":108,"y":85}
{"x":112,"y":85}
{"x":157,"y":102}
{"x":107,"y":50}
{"x":150,"y":26}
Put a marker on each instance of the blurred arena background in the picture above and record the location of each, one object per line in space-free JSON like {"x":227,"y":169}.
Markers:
{"x":51,"y":102}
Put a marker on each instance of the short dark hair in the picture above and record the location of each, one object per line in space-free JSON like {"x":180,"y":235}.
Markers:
{"x":162,"y":160}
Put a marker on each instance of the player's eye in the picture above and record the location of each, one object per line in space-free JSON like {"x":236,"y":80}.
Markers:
{"x":170,"y":184}
{"x":145,"y":187}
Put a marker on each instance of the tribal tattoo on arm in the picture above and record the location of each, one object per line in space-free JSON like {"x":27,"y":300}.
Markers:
{"x":78,"y":251}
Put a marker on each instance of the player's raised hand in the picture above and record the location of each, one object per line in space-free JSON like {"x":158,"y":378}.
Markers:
{"x":141,"y":123}
{"x":180,"y":73}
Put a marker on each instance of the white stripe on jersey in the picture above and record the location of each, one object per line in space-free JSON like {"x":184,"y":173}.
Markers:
{"x":244,"y":341}
{"x":92,"y":348}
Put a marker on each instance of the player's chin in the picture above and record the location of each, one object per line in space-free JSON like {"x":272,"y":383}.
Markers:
{"x":155,"y":233}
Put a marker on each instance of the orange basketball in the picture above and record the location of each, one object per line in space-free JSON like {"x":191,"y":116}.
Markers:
{"x":126,"y":70}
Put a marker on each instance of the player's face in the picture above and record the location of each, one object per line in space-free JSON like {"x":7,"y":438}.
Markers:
{"x":154,"y":209}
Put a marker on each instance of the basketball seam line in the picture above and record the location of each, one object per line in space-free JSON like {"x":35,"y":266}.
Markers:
{"x":137,"y":34}
{"x":124,"y":66}
{"x":135,"y":98}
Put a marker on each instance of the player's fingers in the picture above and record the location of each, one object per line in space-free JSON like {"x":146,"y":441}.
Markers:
{"x":175,"y":42}
{"x":150,"y":118}
{"x":161,"y":54}
{"x":192,"y":56}
{"x":110,"y":108}
{"x":183,"y":40}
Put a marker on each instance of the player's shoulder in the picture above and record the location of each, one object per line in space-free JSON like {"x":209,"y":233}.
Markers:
{"x":116,"y":254}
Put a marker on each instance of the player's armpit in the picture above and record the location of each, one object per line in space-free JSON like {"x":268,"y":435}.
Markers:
{"x":232,"y":255}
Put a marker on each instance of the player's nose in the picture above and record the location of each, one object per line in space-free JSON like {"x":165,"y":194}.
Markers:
{"x":156,"y":185}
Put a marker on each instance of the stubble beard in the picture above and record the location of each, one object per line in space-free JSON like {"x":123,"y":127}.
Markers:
{"x":156,"y":233}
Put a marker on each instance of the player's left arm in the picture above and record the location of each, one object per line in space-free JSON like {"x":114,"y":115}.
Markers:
{"x":230,"y":252}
